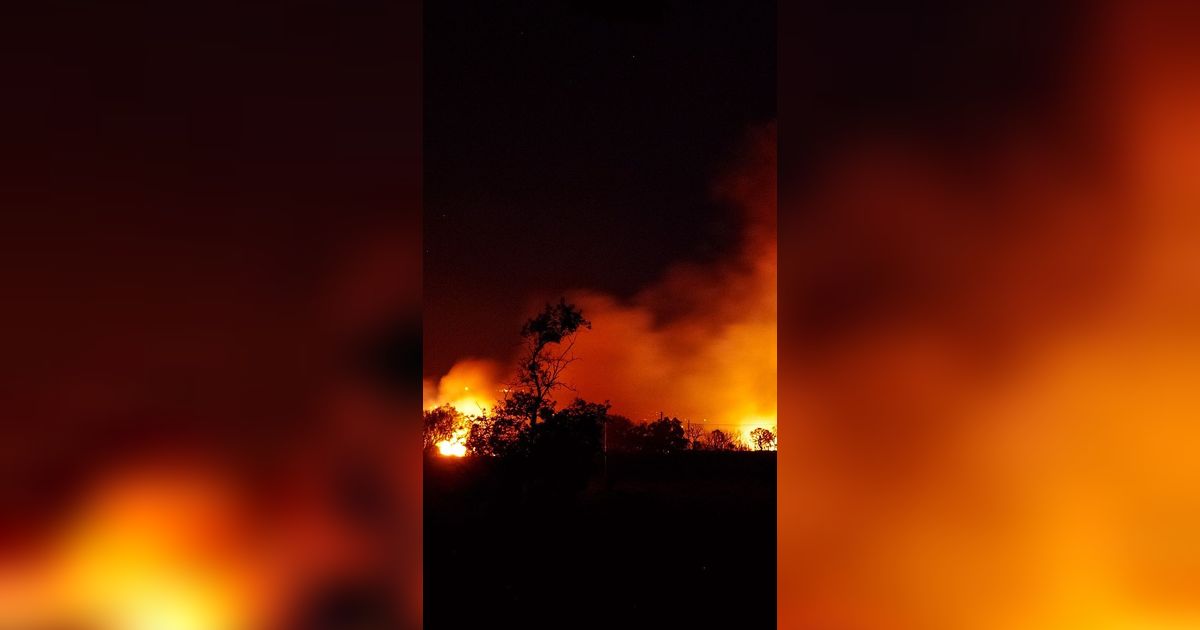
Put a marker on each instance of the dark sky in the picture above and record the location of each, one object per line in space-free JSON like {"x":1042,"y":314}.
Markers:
{"x":573,"y":145}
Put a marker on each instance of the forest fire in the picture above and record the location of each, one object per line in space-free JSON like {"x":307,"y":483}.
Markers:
{"x":700,"y":343}
{"x":463,"y":389}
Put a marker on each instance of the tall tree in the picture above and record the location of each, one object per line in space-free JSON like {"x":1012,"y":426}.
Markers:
{"x":547,"y":341}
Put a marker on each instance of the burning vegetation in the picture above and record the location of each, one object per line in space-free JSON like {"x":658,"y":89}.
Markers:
{"x":525,"y":417}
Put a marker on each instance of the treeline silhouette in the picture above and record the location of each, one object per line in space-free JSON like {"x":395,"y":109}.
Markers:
{"x":580,"y":429}
{"x":527,"y":422}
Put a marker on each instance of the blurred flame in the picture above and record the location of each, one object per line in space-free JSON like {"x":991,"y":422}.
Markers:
{"x":146,"y":552}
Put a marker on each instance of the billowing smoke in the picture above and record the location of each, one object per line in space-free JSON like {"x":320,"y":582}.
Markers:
{"x":472,"y":386}
{"x":698,"y":344}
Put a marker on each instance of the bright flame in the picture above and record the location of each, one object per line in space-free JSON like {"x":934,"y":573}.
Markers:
{"x":452,"y":448}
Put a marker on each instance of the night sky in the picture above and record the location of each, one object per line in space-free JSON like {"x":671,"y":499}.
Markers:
{"x":574,"y":145}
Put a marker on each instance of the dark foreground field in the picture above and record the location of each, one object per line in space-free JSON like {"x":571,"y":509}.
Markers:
{"x":680,"y":541}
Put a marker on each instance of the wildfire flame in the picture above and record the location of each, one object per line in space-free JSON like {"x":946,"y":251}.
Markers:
{"x":452,"y":448}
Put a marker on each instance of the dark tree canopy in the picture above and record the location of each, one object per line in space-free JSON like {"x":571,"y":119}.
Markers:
{"x":574,"y":431}
{"x":718,"y":440}
{"x":496,"y":434}
{"x":663,"y":436}
{"x":555,"y":323}
{"x":621,"y":434}
{"x":547,"y":340}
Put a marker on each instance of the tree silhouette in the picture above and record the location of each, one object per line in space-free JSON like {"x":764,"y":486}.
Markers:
{"x":547,"y":340}
{"x":575,"y":431}
{"x":621,"y":434}
{"x":718,"y":440}
{"x":763,"y":439}
{"x":663,"y":436}
{"x":498,"y":433}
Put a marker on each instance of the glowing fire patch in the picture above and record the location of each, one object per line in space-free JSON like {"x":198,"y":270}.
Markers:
{"x":451,"y":448}
{"x":157,"y":551}
{"x":750,"y":423}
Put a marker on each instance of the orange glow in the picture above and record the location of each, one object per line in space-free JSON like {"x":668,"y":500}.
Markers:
{"x":146,"y":552}
{"x":1008,"y":441}
{"x":472,"y":386}
{"x":153,"y":555}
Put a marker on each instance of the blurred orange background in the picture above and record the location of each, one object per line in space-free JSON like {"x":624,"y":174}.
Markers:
{"x":211,"y":272}
{"x":990,"y":341}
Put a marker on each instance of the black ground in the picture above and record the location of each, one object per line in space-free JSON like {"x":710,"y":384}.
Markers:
{"x":680,"y":541}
